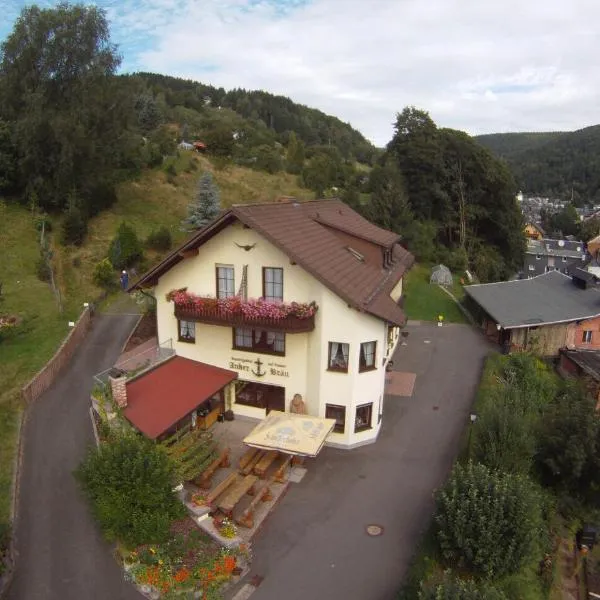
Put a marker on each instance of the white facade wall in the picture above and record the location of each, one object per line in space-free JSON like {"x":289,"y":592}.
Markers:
{"x":303,"y":369}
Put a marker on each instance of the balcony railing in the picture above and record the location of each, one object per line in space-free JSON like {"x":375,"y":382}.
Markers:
{"x":215,"y":316}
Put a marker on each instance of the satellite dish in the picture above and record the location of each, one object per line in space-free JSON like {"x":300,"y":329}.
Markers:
{"x":561,"y":243}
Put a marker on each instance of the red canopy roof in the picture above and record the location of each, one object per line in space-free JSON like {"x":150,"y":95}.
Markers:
{"x":160,"y":398}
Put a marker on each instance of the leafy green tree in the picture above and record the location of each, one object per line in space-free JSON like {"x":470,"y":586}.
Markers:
{"x":564,"y":222}
{"x":148,"y":113}
{"x":125,"y":248}
{"x":160,"y":239}
{"x":487,"y":521}
{"x":453,"y":588}
{"x":569,"y":442}
{"x":219,"y":140}
{"x":206,"y":204}
{"x":74,"y":226}
{"x":8,"y":158}
{"x":104,"y":275}
{"x":268,"y":159}
{"x":129,"y":483}
{"x":590,"y":229}
{"x":295,"y":155}
{"x":57,"y":63}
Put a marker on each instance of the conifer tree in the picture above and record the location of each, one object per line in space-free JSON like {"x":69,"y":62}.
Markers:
{"x":206,"y":204}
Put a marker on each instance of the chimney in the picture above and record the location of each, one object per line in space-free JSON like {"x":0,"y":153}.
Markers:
{"x":118,"y":382}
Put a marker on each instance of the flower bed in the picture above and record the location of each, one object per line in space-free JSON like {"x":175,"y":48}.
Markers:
{"x":189,"y":561}
{"x":235,"y":306}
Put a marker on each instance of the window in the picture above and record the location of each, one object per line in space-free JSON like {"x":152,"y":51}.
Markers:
{"x":259,"y":340}
{"x":537,"y":257}
{"x":587,"y":337}
{"x":532,"y":267}
{"x":334,"y":411}
{"x":366,"y":360}
{"x":225,"y":282}
{"x":187,"y":331}
{"x":363,"y":417}
{"x":564,"y":259}
{"x":272,"y":283}
{"x":338,"y":357}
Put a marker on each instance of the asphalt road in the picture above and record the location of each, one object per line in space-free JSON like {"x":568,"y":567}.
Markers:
{"x":62,"y":555}
{"x":314,"y":544}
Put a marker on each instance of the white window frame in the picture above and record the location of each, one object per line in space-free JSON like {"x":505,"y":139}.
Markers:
{"x":225,"y":285}
{"x":587,"y":336}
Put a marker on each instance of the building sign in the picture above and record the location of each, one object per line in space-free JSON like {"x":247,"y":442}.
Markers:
{"x":257,"y":367}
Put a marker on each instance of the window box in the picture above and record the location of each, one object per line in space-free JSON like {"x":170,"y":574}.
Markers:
{"x":187,"y":331}
{"x":337,"y":412}
{"x":364,"y":414}
{"x":259,"y":340}
{"x":367,"y":357}
{"x":337,"y":359}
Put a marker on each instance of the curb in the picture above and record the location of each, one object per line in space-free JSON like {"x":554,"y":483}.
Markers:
{"x":131,"y":334}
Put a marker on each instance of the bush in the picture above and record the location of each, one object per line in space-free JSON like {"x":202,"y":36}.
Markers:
{"x":102,"y":196}
{"x":43,"y":221}
{"x":104,"y":275}
{"x":450,"y":588}
{"x":74,"y":227}
{"x":486,"y":521}
{"x":129,"y":483}
{"x":160,"y":239}
{"x":125,"y":249}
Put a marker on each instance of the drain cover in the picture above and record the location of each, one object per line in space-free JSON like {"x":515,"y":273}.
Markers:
{"x":374,"y":530}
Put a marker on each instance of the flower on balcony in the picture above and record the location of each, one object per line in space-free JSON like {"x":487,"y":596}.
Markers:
{"x":234,"y":305}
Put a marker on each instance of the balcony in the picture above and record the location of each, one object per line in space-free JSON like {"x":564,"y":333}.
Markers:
{"x":294,"y":317}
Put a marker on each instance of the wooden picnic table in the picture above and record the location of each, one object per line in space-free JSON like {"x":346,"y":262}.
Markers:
{"x":235,"y":493}
{"x":265,"y":462}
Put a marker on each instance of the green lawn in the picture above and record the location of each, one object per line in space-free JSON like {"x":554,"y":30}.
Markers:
{"x":424,"y":301}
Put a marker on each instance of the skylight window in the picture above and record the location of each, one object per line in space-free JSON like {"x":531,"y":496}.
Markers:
{"x":356,"y":254}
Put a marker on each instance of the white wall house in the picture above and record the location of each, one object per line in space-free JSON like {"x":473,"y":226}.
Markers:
{"x":317,"y":252}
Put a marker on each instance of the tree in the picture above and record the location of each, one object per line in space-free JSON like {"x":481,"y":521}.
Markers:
{"x":206,"y":205}
{"x":389,"y":206}
{"x":569,"y":442}
{"x":74,"y":227}
{"x":8,"y":158}
{"x":125,"y":248}
{"x":104,"y":275}
{"x":487,"y":521}
{"x":295,"y":155}
{"x":267,"y":159}
{"x":564,"y":222}
{"x":149,"y":115}
{"x":219,"y":140}
{"x":160,"y":239}
{"x":129,"y":483}
{"x":57,"y":63}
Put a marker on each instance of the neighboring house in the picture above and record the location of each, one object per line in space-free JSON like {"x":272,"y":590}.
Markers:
{"x":534,"y":231}
{"x":541,"y":314}
{"x":339,"y":276}
{"x":542,"y":256}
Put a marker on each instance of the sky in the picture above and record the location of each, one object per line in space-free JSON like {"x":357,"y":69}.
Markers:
{"x":483,"y":66}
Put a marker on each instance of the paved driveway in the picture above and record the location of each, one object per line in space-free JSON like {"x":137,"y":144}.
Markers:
{"x":314,"y":545}
{"x":61,"y":553}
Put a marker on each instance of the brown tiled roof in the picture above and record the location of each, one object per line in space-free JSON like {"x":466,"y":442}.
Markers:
{"x":302,"y":231}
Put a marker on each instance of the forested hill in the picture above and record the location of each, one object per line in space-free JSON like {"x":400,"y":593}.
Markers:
{"x":278,"y":113}
{"x":560,"y":165}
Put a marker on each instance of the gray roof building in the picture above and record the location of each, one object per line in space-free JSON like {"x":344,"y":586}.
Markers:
{"x":547,"y":299}
{"x":542,"y":256}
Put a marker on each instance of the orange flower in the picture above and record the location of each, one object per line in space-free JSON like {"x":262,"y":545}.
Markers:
{"x":182,"y":575}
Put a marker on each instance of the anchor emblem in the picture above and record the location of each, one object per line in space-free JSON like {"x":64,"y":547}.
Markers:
{"x":259,"y":372}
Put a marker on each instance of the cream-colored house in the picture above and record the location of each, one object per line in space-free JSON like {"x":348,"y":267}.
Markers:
{"x":299,"y":299}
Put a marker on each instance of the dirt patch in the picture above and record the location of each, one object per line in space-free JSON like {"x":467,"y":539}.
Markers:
{"x":145,"y":330}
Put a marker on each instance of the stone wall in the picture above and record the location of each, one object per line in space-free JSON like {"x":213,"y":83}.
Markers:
{"x":46,"y":376}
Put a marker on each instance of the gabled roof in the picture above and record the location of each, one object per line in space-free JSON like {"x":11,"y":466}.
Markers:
{"x":160,"y":398}
{"x":550,"y":247}
{"x":535,"y":226}
{"x":302,"y":231}
{"x":588,"y":360}
{"x":543,"y":300}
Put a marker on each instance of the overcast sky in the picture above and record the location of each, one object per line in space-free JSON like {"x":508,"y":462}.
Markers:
{"x":478,"y":65}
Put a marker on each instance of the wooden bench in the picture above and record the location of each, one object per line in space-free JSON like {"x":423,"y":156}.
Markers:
{"x":246,"y":519}
{"x":265,"y":462}
{"x":230,"y":480}
{"x":251,"y":464}
{"x":248,"y":457}
{"x":280,"y":474}
{"x":221,"y":461}
{"x":234,"y":494}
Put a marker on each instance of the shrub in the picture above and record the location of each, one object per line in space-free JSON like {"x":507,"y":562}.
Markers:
{"x":43,"y":221}
{"x":129,"y":483}
{"x":102,"y":196}
{"x":104,"y":275}
{"x":42,"y":268}
{"x":486,"y":521}
{"x":451,"y":588}
{"x":74,"y":227}
{"x":160,"y":239}
{"x":125,"y":249}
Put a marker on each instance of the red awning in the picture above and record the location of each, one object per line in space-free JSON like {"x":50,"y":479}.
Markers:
{"x":163,"y":396}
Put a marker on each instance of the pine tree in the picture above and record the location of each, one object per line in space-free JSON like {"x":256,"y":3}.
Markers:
{"x":206,"y":205}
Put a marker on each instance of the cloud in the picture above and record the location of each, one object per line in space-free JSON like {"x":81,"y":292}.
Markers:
{"x":477,"y":66}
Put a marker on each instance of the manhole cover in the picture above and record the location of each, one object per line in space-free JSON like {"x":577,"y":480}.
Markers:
{"x":374,"y":530}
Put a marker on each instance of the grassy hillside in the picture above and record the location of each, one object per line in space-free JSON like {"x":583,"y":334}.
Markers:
{"x":147,"y":203}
